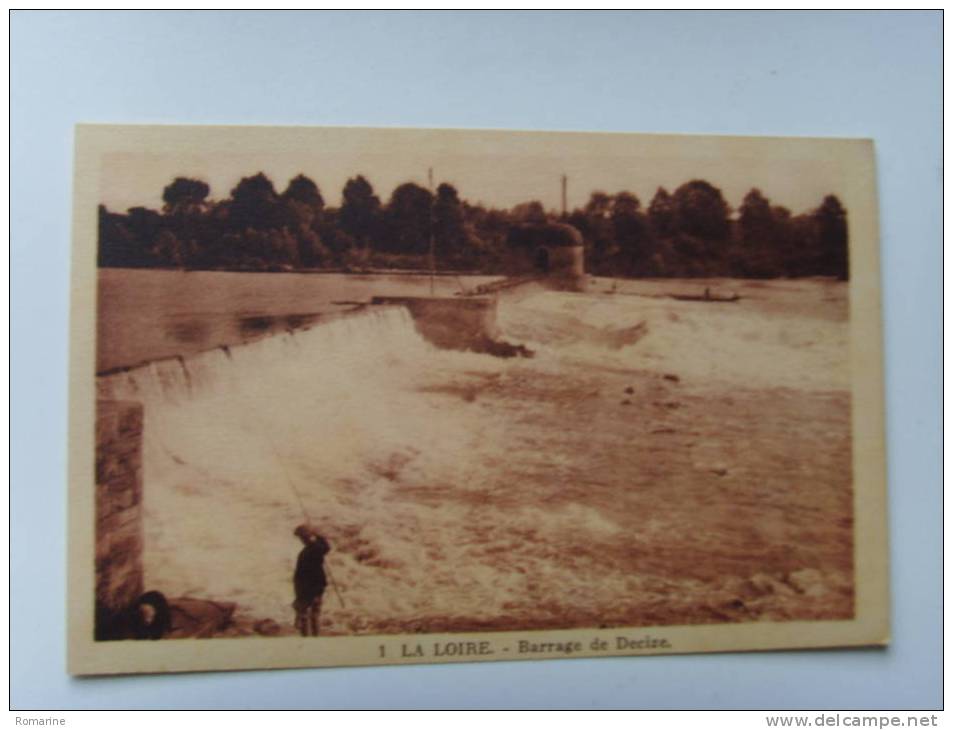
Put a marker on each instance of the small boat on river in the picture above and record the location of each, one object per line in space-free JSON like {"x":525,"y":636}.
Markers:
{"x":706,"y":297}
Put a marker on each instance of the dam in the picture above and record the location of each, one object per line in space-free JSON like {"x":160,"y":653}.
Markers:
{"x":599,"y":482}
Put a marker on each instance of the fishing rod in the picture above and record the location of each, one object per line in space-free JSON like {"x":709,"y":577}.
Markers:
{"x":304,"y":511}
{"x":334,"y":585}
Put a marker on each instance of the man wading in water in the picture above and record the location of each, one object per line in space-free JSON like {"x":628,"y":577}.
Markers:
{"x":309,"y":580}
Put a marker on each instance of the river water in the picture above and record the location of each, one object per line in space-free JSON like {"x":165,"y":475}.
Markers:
{"x":701,"y":474}
{"x":146,"y":314}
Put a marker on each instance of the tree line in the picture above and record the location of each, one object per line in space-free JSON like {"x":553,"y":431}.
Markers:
{"x":689,"y":232}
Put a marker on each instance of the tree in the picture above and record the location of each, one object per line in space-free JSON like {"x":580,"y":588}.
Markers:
{"x":662,"y":213}
{"x":302,"y":189}
{"x":185,"y":195}
{"x":529,"y":238}
{"x":302,"y":211}
{"x":311,"y":250}
{"x":532,"y":213}
{"x":255,"y":204}
{"x":756,"y":219}
{"x":185,"y":213}
{"x":409,"y":219}
{"x":118,"y":246}
{"x":490,"y":227}
{"x":625,"y":203}
{"x":168,"y":250}
{"x":205,"y":232}
{"x":360,"y":214}
{"x":335,"y":241}
{"x":630,"y":233}
{"x":450,"y":235}
{"x":687,"y":233}
{"x":831,"y":220}
{"x":282,"y":249}
{"x":595,"y":224}
{"x":599,"y":205}
{"x":700,"y":210}
{"x":144,"y":224}
{"x":759,"y":246}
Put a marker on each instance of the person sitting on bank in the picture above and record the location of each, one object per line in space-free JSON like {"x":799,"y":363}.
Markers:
{"x":309,"y":580}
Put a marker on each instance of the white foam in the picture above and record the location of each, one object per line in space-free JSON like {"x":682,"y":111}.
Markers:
{"x":740,"y":344}
{"x":397,"y":455}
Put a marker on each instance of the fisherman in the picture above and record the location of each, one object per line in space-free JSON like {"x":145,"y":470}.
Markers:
{"x":309,"y":579}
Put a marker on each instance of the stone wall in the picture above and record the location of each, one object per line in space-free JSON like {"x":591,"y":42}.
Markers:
{"x":453,"y":324}
{"x":562,"y":268}
{"x":119,"y":580}
{"x":567,"y":268}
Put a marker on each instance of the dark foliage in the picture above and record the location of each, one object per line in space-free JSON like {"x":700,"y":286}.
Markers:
{"x":184,"y":195}
{"x":408,"y":224}
{"x":691,"y":232}
{"x":360,"y":216}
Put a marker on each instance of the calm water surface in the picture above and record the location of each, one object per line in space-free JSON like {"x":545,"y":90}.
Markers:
{"x":148,"y":315}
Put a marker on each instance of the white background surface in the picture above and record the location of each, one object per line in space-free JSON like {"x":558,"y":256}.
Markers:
{"x":872,"y":75}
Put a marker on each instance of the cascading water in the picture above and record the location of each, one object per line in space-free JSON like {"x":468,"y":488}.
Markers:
{"x":334,"y":409}
{"x":463,"y":491}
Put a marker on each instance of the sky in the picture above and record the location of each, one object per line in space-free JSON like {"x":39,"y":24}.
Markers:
{"x":501,"y":175}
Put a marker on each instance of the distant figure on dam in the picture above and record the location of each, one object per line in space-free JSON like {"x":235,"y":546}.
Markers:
{"x":309,"y":580}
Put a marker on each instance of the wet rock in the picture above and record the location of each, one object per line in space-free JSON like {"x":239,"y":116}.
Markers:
{"x":736,"y":605}
{"x":267,"y":627}
{"x":366,"y":555}
{"x":234,"y":632}
{"x":761,"y":584}
{"x":808,"y":581}
{"x":717,"y":468}
{"x":500,"y":348}
{"x":198,"y":618}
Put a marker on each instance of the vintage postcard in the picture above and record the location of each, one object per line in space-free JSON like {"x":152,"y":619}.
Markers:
{"x":345,"y":396}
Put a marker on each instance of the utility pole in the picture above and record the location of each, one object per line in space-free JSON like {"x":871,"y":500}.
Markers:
{"x":433,"y":264}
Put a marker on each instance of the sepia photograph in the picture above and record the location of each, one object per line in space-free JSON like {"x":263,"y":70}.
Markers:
{"x":346,"y":396}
